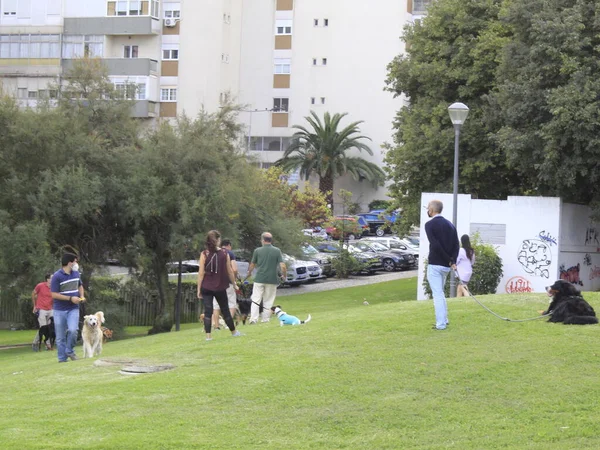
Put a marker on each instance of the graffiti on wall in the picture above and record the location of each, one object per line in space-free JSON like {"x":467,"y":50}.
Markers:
{"x":518,"y":285}
{"x":535,"y":257}
{"x":587,"y":259}
{"x":547,"y":237}
{"x":591,"y":236}
{"x":571,"y":274}
{"x":594,"y":273}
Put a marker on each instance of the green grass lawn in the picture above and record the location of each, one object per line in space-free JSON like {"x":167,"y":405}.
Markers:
{"x":355,"y":377}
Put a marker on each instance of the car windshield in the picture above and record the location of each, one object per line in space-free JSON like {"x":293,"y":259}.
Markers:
{"x":412,"y":240}
{"x":309,"y":249}
{"x":360,"y":247}
{"x":328,"y":248}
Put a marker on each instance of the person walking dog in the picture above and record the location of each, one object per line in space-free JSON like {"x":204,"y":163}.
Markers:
{"x":443,"y":251}
{"x":464,"y":265}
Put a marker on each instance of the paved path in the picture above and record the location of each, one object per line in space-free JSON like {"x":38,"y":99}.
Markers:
{"x":334,"y":283}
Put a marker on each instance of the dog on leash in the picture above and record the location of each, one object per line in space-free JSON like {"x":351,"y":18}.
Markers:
{"x":568,"y":306}
{"x":47,"y":335}
{"x":242,"y":311}
{"x":92,"y":334}
{"x":287,"y":319}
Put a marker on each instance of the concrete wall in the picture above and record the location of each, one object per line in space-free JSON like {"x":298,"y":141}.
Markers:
{"x":525,"y":230}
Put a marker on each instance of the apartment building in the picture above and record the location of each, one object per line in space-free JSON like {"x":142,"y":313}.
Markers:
{"x":281,"y":59}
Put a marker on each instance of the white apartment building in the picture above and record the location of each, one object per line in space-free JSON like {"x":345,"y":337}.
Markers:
{"x":279,"y":58}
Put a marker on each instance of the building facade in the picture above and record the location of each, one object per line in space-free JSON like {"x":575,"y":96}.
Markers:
{"x":280,"y":59}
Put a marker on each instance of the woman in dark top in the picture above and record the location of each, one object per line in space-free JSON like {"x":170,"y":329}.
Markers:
{"x":214,"y":275}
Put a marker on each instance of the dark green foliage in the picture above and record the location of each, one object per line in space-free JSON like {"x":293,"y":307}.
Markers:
{"x":487,"y":271}
{"x":380,"y":204}
{"x":106,"y":294}
{"x":28,"y":318}
{"x":345,"y":264}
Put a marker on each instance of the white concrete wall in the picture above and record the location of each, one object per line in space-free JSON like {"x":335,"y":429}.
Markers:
{"x":85,"y":8}
{"x":530,"y":252}
{"x":579,"y":260}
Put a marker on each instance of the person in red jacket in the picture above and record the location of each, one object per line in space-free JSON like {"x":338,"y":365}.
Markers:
{"x":42,"y":307}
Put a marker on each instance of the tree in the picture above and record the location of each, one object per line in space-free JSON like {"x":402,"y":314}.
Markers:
{"x":323,"y":149}
{"x":452,"y":54}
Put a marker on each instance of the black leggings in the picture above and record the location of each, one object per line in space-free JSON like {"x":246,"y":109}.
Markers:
{"x":221,"y":297}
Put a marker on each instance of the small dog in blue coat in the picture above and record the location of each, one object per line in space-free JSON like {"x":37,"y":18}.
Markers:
{"x":286,"y":319}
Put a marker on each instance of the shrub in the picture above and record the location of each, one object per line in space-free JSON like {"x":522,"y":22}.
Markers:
{"x":487,"y":271}
{"x":28,"y":319}
{"x":346,"y":226}
{"x":379,"y":204}
{"x":345,"y":264}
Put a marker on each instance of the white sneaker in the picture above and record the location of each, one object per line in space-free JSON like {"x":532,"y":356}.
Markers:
{"x":265,"y":320}
{"x":252,"y":322}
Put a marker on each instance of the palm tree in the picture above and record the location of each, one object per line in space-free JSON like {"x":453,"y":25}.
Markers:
{"x":322,"y":151}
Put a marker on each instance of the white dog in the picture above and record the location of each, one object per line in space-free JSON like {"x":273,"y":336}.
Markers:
{"x":92,"y":334}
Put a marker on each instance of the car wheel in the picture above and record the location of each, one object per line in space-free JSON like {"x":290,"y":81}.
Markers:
{"x":388,"y":265}
{"x":380,"y":232}
{"x":351,"y":237}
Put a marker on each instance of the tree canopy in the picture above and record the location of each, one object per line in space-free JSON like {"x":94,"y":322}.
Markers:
{"x":527,"y":72}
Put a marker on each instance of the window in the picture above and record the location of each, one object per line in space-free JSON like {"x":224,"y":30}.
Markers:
{"x":172,"y":14}
{"x":32,"y":94}
{"x":316,"y":22}
{"x":168,"y":94}
{"x":22,"y":92}
{"x":314,"y":61}
{"x":226,"y":18}
{"x":324,"y":61}
{"x":132,"y":88}
{"x":130,"y":51}
{"x":281,"y":104}
{"x":78,"y":46}
{"x":325,"y":22}
{"x":9,"y":8}
{"x":283,"y":27}
{"x":225,"y":57}
{"x":283,"y":66}
{"x":133,"y":8}
{"x":29,"y":46}
{"x":171,"y":55}
{"x":322,"y":100}
{"x":312,"y":100}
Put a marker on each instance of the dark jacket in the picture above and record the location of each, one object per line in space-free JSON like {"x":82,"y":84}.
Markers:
{"x":443,"y":242}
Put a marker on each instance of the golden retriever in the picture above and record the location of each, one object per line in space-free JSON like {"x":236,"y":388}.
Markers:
{"x":92,"y":334}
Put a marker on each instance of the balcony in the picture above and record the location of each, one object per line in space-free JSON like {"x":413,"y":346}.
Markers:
{"x":144,"y":109}
{"x":123,"y":66}
{"x":30,"y":67}
{"x":112,"y":26}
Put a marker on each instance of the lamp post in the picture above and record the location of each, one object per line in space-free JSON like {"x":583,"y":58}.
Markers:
{"x":458,"y":115}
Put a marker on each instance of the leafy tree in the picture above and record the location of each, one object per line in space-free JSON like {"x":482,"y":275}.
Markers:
{"x":322,"y":151}
{"x":549,"y":97}
{"x":452,"y":54}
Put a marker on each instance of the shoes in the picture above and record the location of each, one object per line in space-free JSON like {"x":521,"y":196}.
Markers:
{"x":436,"y":328}
{"x":236,"y":334}
{"x":217,"y":328}
{"x":72,"y":356}
{"x":265,"y":320}
{"x":35,"y":347}
{"x":62,"y":361}
{"x":252,"y":322}
{"x":209,"y":339}
{"x":48,"y":346}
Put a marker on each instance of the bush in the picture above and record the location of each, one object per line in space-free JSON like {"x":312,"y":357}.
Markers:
{"x":379,"y":204}
{"x":345,"y":264}
{"x":487,"y":271}
{"x":28,"y":318}
{"x":348,"y":226}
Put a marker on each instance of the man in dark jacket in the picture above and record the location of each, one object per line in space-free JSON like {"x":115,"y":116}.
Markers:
{"x":443,"y":251}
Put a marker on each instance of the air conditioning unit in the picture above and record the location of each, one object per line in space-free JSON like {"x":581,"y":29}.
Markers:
{"x":170,"y":23}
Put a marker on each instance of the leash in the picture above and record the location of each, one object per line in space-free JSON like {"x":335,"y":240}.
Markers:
{"x":492,"y":312}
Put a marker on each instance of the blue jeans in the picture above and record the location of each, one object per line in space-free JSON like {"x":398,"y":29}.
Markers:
{"x":436,"y":275}
{"x":66,"y":325}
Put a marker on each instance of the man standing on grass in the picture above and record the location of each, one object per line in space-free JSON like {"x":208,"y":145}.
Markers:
{"x":443,"y":251}
{"x":268,"y":260}
{"x":42,"y":306}
{"x":67,"y":292}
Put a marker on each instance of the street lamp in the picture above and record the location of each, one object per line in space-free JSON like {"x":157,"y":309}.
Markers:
{"x":458,"y":115}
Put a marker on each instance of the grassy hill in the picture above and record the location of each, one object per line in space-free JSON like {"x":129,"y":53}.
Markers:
{"x":357,"y":376}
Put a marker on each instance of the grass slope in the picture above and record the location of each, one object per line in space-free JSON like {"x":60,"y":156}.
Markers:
{"x":357,"y":376}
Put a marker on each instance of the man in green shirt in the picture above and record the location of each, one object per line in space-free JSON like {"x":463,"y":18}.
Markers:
{"x":268,"y":261}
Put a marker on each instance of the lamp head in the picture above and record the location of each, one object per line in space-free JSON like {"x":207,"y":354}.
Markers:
{"x":458,"y":113}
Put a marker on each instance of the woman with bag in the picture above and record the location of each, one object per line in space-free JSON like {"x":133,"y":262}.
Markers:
{"x":214,"y":275}
{"x":464,"y":265}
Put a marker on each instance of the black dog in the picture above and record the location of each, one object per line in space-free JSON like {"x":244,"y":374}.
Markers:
{"x":568,"y":306}
{"x":47,"y":334}
{"x":243,"y":310}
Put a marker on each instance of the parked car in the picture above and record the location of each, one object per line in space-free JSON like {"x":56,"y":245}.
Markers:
{"x":395,"y":243}
{"x":371,"y":260}
{"x":355,"y":227}
{"x":379,"y":222}
{"x":316,"y":232}
{"x":300,"y":272}
{"x":391,"y":260}
{"x":322,"y":259}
